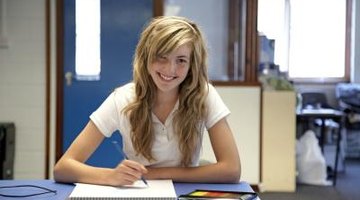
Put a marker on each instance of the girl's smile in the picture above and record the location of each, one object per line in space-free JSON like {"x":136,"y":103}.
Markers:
{"x":166,"y":78}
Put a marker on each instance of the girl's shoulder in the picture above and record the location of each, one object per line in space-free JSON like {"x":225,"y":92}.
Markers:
{"x":124,"y":93}
{"x":128,"y":88}
{"x":210,"y":89}
{"x":210,"y":86}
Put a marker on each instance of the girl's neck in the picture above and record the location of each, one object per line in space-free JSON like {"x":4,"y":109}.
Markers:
{"x":166,"y":97}
{"x":164,"y":104}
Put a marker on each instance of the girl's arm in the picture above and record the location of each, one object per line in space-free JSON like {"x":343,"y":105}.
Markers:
{"x":227,"y":169}
{"x":72,"y":168}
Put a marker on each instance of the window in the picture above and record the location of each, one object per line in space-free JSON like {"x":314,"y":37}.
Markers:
{"x":87,"y":58}
{"x":317,"y":39}
{"x":309,"y":35}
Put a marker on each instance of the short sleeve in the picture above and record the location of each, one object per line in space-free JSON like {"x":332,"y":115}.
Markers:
{"x":106,"y":116}
{"x":217,"y":109}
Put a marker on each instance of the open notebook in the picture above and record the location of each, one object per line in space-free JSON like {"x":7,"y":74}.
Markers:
{"x":156,"y":189}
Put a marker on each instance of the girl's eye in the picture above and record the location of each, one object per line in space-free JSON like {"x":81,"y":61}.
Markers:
{"x":182,"y":61}
{"x":161,"y":58}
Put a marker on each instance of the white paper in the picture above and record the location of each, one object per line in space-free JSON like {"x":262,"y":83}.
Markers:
{"x":163,"y":189}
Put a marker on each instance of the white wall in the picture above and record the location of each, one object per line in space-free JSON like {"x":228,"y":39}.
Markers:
{"x":22,"y":84}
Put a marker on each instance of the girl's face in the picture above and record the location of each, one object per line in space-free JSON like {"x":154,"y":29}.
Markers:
{"x":170,"y":70}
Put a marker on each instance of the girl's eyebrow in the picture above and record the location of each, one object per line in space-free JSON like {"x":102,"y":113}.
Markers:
{"x":183,"y":56}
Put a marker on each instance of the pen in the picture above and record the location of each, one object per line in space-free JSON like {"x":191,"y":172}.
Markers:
{"x":118,"y":148}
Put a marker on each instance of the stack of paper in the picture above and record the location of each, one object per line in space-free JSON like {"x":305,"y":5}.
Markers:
{"x":156,"y":189}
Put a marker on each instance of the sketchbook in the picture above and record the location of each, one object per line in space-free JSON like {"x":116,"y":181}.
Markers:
{"x":156,"y":189}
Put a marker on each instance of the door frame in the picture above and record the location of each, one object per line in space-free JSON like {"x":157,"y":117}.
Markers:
{"x":158,"y":9}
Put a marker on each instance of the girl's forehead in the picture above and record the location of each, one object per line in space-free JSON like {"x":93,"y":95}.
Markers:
{"x":184,"y":49}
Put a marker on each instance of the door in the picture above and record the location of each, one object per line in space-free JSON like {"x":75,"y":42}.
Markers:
{"x":121,"y":24}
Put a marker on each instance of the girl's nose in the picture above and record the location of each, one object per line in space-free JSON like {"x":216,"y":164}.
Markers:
{"x":171,"y":67}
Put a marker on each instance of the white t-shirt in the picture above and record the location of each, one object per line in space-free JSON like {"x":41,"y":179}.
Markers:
{"x":109,"y":118}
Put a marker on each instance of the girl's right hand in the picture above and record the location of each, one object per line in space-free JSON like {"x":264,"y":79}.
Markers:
{"x":126,"y":173}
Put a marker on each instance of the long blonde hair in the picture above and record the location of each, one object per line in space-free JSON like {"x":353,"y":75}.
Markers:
{"x":162,"y":36}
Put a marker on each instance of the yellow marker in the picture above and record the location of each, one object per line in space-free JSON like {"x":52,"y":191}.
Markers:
{"x":198,"y":194}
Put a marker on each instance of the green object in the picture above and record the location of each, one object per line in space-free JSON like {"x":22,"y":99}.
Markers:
{"x":276,"y":83}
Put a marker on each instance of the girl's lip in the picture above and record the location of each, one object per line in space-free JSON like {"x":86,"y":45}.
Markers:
{"x":166,"y":78}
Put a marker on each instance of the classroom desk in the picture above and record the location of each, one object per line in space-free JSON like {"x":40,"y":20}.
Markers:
{"x":323,"y":114}
{"x":64,"y":190}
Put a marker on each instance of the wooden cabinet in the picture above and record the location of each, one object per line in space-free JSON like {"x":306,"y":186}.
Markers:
{"x":278,"y":141}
